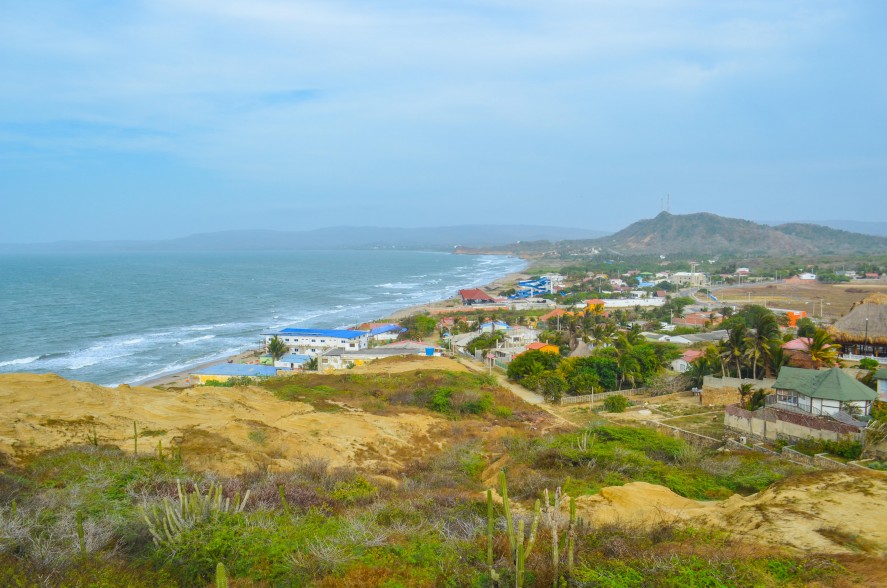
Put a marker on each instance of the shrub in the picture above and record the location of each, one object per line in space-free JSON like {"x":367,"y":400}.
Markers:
{"x":615,"y":403}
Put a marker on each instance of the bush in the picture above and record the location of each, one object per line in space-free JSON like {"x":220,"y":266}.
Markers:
{"x":846,"y":448}
{"x":616,"y":403}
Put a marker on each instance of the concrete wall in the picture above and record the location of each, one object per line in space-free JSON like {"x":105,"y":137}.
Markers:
{"x":724,"y":391}
{"x":769,"y":424}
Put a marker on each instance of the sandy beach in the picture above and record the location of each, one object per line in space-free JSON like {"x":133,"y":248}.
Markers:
{"x":180,"y":379}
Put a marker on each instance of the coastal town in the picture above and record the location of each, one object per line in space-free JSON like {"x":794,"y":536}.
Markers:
{"x":775,"y":364}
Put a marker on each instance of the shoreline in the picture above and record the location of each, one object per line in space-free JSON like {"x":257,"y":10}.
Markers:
{"x":180,"y":378}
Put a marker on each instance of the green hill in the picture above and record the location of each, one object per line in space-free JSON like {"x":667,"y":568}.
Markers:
{"x":704,"y":233}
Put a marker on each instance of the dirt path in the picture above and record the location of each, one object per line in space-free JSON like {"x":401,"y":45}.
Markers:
{"x":526,"y":395}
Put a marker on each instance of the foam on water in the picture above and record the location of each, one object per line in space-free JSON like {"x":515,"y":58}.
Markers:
{"x":210,"y":305}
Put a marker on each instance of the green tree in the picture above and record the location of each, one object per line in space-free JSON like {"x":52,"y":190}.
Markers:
{"x":806,"y":328}
{"x":532,"y":363}
{"x":277,"y":348}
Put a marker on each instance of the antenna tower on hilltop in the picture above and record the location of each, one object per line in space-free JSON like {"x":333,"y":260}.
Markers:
{"x":666,"y":203}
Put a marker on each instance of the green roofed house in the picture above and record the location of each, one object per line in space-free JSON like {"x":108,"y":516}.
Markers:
{"x":881,"y":378}
{"x":822,"y":392}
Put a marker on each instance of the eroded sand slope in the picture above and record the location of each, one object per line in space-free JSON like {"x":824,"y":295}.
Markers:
{"x":228,"y":430}
{"x":826,"y":512}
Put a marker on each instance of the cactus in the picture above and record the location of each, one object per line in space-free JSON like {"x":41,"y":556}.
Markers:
{"x":14,"y":509}
{"x":521,"y":545}
{"x":81,"y":536}
{"x":221,"y":576}
{"x":135,"y":438}
{"x":494,"y":575}
{"x":571,"y":536}
{"x":160,"y":449}
{"x":283,"y":502}
{"x":93,"y":437}
{"x":168,"y":520}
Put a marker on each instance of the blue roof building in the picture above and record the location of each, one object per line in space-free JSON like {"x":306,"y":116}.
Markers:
{"x":315,"y":341}
{"x":333,"y":333}
{"x":386,"y":329}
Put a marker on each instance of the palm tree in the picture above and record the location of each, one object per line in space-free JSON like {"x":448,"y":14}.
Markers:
{"x":733,"y":348}
{"x":822,"y":350}
{"x":762,"y":331}
{"x":629,"y":368}
{"x":277,"y":348}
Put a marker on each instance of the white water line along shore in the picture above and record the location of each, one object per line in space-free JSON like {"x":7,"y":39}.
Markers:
{"x":180,"y":377}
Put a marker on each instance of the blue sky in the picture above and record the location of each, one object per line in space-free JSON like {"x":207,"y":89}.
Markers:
{"x":164,"y":118}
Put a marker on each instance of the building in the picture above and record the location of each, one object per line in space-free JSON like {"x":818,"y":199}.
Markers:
{"x":881,"y":378}
{"x":473,"y":296}
{"x":544,"y":347}
{"x":223,"y":372}
{"x":698,"y":319}
{"x":385,"y":332}
{"x":337,"y":359}
{"x":822,"y":392}
{"x":519,"y":336}
{"x":490,"y":326}
{"x":315,"y":341}
{"x":292,"y":361}
{"x":690,"y":279}
{"x":862,"y":332}
{"x":682,"y":364}
{"x":807,"y":404}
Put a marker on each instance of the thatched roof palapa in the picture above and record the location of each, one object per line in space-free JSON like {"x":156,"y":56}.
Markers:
{"x":852,"y":326}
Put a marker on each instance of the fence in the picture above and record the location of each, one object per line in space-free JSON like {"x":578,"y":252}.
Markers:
{"x":601,"y":395}
{"x":688,"y":436}
{"x":719,"y":382}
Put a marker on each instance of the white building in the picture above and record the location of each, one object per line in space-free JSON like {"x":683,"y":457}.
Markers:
{"x":315,"y":341}
{"x":692,"y":279}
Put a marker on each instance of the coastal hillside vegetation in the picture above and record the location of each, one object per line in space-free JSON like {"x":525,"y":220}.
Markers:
{"x":95,"y":515}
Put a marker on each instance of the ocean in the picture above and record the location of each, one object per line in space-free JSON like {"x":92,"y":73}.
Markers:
{"x":130,"y":317}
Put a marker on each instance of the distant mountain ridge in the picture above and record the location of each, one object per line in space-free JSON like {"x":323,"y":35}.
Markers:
{"x":705,"y":233}
{"x":864,"y":227}
{"x":431,"y":238}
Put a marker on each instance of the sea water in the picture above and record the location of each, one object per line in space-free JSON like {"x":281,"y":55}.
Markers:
{"x":130,"y":317}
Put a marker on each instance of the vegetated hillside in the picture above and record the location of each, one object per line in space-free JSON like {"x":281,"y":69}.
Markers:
{"x":831,"y":240}
{"x":82,"y":505}
{"x":704,"y":233}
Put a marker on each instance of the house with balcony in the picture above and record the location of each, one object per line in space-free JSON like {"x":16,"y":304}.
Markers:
{"x":822,"y":392}
{"x":807,"y":404}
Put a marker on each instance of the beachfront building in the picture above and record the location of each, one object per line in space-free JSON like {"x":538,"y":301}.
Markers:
{"x":223,"y":372}
{"x":337,"y":359}
{"x":473,"y":296}
{"x":293,"y":361}
{"x":315,"y":341}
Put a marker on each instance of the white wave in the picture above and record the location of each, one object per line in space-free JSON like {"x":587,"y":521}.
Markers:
{"x":19,"y":361}
{"x":399,"y":285}
{"x":194,"y":340}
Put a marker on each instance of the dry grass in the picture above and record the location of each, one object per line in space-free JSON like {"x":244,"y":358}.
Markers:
{"x":836,"y":298}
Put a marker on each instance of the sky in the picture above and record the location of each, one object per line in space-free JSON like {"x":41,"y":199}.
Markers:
{"x":157,"y":119}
